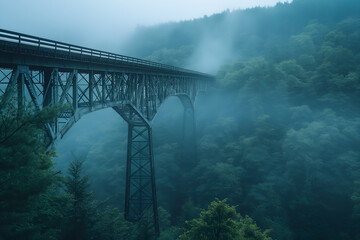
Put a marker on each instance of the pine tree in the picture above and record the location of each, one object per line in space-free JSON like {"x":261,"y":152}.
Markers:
{"x":83,"y":210}
{"x":26,"y":176}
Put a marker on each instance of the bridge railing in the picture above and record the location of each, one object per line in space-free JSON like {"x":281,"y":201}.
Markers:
{"x":61,"y":48}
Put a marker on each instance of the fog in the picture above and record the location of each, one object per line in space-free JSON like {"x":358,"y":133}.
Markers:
{"x":276,"y":127}
{"x":104,"y":25}
{"x":205,"y":60}
{"x":277,"y":132}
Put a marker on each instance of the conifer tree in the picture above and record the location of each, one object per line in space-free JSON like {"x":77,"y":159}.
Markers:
{"x":82,"y":211}
{"x":26,"y":175}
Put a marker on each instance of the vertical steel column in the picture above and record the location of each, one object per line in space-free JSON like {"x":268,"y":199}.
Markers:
{"x":140,"y":191}
{"x":75,"y":92}
{"x":21,"y":93}
{"x":49,"y":98}
{"x":48,"y":89}
{"x":153,"y":184}
{"x":147,"y":99}
{"x":55,"y":76}
{"x":103,"y":88}
{"x":112,"y":95}
{"x":91,"y":89}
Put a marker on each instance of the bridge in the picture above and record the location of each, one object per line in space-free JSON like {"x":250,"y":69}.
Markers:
{"x":44,"y":73}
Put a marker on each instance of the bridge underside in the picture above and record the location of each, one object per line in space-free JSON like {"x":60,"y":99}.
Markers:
{"x":87,"y":91}
{"x":136,"y":97}
{"x":43,"y":73}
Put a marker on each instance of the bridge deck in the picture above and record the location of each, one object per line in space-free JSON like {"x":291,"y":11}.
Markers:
{"x":17,"y":49}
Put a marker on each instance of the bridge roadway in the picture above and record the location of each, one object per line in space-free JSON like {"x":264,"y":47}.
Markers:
{"x":47,"y":72}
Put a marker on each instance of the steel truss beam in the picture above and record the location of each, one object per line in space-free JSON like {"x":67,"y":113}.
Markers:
{"x":46,"y":73}
{"x":87,"y":91}
{"x":136,"y":97}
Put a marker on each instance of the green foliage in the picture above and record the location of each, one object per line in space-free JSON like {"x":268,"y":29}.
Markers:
{"x":144,"y":228}
{"x":82,"y":210}
{"x":221,"y":221}
{"x":278,"y":134}
{"x":174,"y":57}
{"x":86,"y":218}
{"x":28,"y":207}
{"x":245,"y":33}
{"x":249,"y":230}
{"x":76,"y":184}
{"x":110,"y":225}
{"x":218,"y":222}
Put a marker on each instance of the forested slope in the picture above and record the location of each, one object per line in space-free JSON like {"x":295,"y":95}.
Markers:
{"x":278,"y":133}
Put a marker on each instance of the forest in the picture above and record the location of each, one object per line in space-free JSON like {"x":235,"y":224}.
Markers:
{"x":278,"y":138}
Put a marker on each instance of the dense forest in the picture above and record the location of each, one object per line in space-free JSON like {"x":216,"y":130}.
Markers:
{"x":278,"y":137}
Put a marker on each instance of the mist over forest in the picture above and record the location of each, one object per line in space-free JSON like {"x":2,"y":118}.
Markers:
{"x":278,"y":133}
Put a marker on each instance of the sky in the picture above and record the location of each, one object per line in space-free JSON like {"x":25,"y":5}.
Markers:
{"x":105,"y":24}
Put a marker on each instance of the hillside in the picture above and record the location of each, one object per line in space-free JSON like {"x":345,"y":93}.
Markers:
{"x":277,"y":134}
{"x":213,"y":40}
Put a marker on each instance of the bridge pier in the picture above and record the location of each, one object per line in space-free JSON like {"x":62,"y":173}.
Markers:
{"x":140,"y":190}
{"x":188,"y":144}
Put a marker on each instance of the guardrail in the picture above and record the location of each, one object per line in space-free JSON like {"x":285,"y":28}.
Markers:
{"x":60,"y":47}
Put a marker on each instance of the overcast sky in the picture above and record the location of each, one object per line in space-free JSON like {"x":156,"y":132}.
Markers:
{"x":105,"y":23}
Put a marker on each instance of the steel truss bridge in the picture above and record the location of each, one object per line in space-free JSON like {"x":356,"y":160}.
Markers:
{"x":45,"y":73}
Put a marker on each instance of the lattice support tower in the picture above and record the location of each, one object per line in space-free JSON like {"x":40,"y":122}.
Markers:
{"x":140,"y":192}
